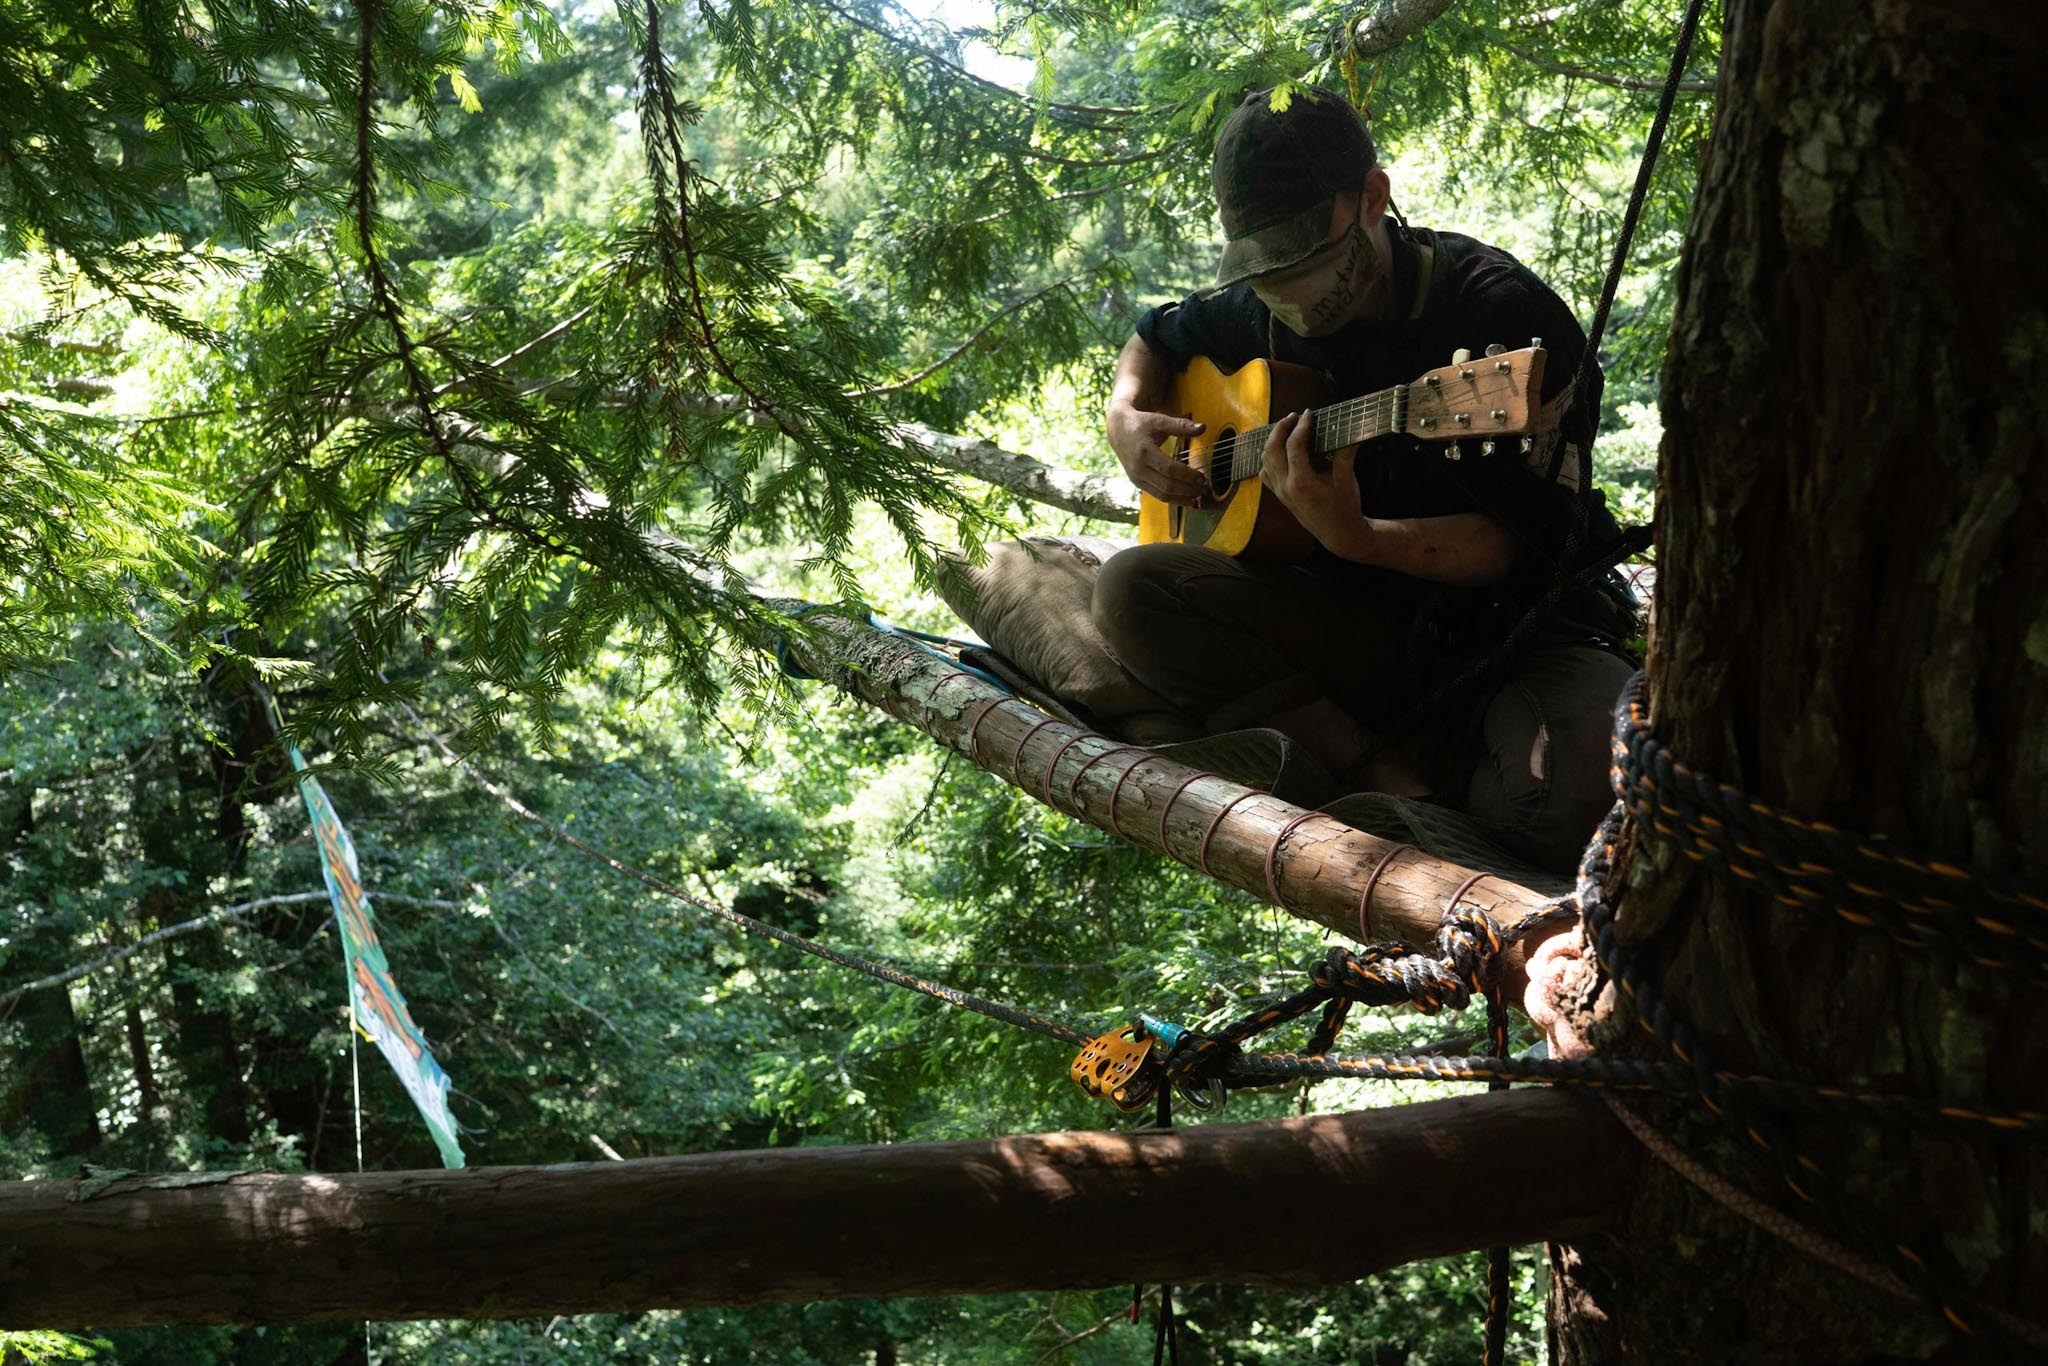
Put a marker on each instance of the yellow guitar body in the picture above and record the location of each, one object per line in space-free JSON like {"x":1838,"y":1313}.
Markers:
{"x":1236,"y":518}
{"x":1487,"y":397}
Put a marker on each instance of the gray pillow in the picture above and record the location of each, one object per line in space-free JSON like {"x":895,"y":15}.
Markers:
{"x":1031,"y":601}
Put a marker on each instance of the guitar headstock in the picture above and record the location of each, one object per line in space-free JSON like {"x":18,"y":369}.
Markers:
{"x":1498,"y":394}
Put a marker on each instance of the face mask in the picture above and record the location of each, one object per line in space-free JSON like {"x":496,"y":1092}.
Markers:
{"x":1319,"y":296}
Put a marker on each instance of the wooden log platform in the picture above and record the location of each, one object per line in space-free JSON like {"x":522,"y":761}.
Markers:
{"x":1320,"y":870}
{"x":1297,"y":1202}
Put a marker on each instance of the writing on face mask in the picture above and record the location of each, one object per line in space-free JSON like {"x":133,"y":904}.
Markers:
{"x":1319,"y":296}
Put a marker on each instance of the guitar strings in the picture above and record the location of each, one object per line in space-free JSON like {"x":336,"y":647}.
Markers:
{"x":1377,"y":409}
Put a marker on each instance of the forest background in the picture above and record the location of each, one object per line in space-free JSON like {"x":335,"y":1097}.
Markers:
{"x":454,"y":354}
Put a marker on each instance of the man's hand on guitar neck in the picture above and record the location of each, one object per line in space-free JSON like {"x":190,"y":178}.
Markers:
{"x":1138,"y":434}
{"x":1467,"y":548}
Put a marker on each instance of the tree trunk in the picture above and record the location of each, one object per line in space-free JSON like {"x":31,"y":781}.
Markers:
{"x":201,"y":1036}
{"x":1310,"y":1201}
{"x":47,"y":1085}
{"x":1852,"y":563}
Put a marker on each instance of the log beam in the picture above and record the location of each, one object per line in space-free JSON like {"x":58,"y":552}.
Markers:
{"x":1320,"y":871}
{"x":1296,"y":1202}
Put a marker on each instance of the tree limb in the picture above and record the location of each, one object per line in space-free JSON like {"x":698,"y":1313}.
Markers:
{"x":1090,"y":495}
{"x":1692,"y":85}
{"x":1219,"y":1202}
{"x":1320,"y":871}
{"x":925,"y":54}
{"x":1392,"y":23}
{"x":193,"y":926}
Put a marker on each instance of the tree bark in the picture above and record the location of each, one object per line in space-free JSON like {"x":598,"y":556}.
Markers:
{"x":1296,"y":1202}
{"x":1026,"y":476}
{"x":1852,"y":407}
{"x":1387,"y":25}
{"x":1320,"y":870}
{"x":1104,"y":500}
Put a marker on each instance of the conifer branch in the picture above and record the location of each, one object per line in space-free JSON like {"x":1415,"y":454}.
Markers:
{"x":1100,"y":163}
{"x":363,"y":203}
{"x":677,"y":244}
{"x":912,"y":381}
{"x":194,"y":926}
{"x":926,"y":55}
{"x":1090,"y":192}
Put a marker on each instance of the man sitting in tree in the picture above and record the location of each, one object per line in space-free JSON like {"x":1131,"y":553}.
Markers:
{"x":1427,"y":552}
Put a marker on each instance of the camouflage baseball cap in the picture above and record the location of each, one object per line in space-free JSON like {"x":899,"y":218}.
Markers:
{"x":1278,"y":174}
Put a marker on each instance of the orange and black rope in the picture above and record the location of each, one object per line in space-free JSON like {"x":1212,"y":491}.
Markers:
{"x":1924,"y":903}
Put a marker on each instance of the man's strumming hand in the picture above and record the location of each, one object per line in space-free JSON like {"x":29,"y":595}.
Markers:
{"x":1139,"y":438}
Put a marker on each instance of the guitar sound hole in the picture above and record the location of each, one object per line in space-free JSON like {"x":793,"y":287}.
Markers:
{"x":1220,"y":482}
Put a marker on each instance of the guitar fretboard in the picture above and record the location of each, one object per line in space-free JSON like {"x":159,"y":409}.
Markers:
{"x":1336,"y":426}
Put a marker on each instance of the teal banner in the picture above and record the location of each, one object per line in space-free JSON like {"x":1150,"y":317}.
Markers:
{"x":376,"y":1006}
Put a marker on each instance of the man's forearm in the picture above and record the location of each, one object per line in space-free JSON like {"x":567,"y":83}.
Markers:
{"x":1143,"y":377}
{"x":1465,"y":548}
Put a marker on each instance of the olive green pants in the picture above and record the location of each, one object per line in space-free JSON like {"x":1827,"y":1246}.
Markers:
{"x":1231,"y":645}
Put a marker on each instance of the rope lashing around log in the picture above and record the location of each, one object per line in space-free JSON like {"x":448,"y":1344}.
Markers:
{"x":1469,"y":943}
{"x":1630,"y":1075}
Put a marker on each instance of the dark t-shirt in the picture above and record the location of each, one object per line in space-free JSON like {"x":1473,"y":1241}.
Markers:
{"x":1477,"y":296}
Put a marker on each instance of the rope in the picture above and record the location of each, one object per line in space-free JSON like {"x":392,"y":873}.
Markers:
{"x":1939,"y":906}
{"x":1567,"y":577}
{"x":1759,"y":1212}
{"x":1054,"y":762}
{"x":1775,"y":1222}
{"x":1035,"y":1021}
{"x":1382,"y":974}
{"x":1921,"y":902}
{"x":1202,"y":853}
{"x":1273,"y":856}
{"x":1716,"y":823}
{"x":1372,"y":880}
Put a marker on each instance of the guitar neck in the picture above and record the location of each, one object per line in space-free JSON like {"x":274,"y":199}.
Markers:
{"x":1336,"y":426}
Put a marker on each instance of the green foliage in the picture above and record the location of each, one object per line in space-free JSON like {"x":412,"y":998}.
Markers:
{"x":34,"y":1349}
{"x":455,"y":303}
{"x":473,"y":354}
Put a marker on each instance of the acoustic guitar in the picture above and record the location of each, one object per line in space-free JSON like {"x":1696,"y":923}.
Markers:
{"x":1491,"y":397}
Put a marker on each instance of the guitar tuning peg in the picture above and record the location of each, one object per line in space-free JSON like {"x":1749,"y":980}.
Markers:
{"x":1486,"y":447}
{"x":1526,"y":445}
{"x":1452,"y":451}
{"x":1495,"y":349}
{"x":1461,"y":355}
{"x":1535,"y":343}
